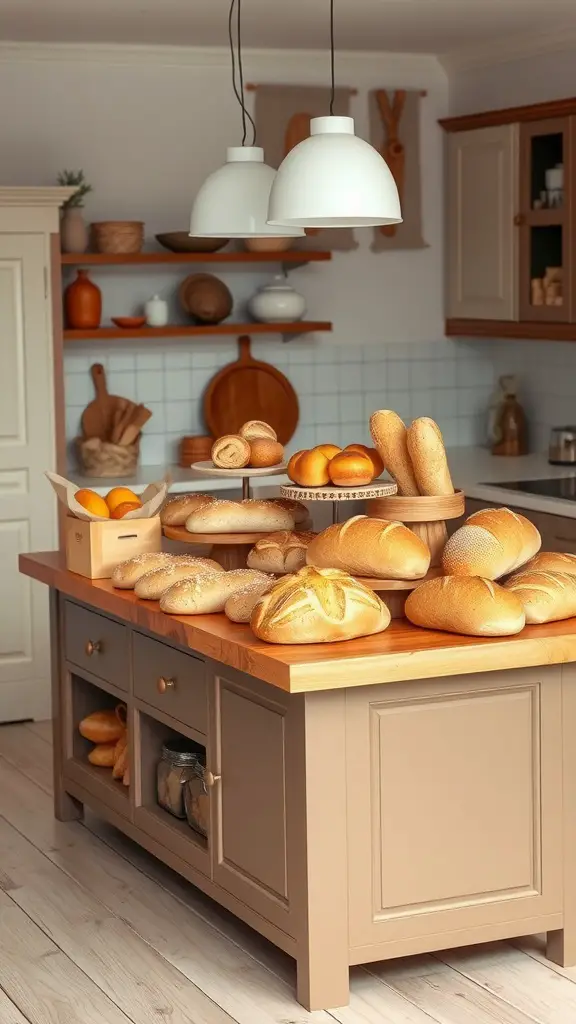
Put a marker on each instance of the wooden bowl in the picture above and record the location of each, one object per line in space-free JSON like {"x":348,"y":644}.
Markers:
{"x":181,"y":241}
{"x":129,"y":322}
{"x":425,"y":516}
{"x":272,"y":244}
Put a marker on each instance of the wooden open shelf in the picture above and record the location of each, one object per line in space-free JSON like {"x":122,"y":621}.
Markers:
{"x":298,"y":256}
{"x":521,"y":330}
{"x":179,"y":331}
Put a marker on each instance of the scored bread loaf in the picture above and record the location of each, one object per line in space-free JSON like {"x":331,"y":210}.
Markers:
{"x":492,"y":543}
{"x":203,"y":595}
{"x":390,"y":438}
{"x":371,"y":547}
{"x":152,"y":585}
{"x":176,"y":510}
{"x":318,"y":606}
{"x":239,"y":606}
{"x":428,"y":456}
{"x":249,"y":516}
{"x":551,"y":561}
{"x":126,"y":575}
{"x":280,"y":552}
{"x":465,"y":604}
{"x":546,"y":596}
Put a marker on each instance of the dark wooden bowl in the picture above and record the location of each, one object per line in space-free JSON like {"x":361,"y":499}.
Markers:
{"x":180,"y":241}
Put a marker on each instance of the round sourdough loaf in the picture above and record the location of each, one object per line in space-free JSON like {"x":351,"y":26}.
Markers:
{"x":551,"y":561}
{"x":465,"y":604}
{"x":491,"y":544}
{"x":176,"y":510}
{"x":371,"y":547}
{"x":546,"y":596}
{"x":318,"y":606}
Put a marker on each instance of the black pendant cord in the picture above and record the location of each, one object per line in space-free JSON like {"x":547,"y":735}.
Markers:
{"x":238,"y":87}
{"x":332,"y":75}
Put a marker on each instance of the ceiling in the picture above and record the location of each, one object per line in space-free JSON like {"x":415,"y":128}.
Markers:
{"x":417,"y":26}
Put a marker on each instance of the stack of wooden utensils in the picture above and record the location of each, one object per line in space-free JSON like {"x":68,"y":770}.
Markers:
{"x":111,"y":428}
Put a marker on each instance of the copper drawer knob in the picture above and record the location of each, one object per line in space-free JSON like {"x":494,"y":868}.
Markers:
{"x":164,"y":684}
{"x":93,"y":647}
{"x":210,"y":779}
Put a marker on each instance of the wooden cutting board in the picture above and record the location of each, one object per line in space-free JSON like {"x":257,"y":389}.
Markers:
{"x":250,"y":390}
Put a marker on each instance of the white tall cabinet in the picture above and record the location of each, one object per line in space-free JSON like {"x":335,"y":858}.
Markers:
{"x":30,"y":436}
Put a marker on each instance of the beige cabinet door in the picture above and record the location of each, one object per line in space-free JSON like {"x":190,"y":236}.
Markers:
{"x":481,"y":202}
{"x":27,"y":506}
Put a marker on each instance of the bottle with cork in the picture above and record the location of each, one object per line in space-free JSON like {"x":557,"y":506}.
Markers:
{"x":508,"y":428}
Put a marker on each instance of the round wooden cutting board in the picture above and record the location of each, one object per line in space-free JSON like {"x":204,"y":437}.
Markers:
{"x":250,"y":390}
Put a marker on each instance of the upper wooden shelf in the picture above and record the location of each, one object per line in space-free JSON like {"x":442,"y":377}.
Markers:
{"x":183,"y":331}
{"x":295,"y":256}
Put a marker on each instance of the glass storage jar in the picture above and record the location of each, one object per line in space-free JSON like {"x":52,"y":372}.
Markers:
{"x":196,"y":798}
{"x":175,"y":767}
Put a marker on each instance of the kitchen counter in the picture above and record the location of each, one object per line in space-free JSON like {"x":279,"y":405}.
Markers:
{"x":403,"y":793}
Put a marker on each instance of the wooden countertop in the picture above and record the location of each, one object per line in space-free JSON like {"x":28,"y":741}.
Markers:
{"x":403,"y":652}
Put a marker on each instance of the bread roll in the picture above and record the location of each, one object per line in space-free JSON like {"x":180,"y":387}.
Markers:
{"x":204,"y":595}
{"x":126,"y":575}
{"x":311,"y":469}
{"x":371,"y":547}
{"x":389,"y":435}
{"x":240,"y":606}
{"x":546,"y":596}
{"x":280,"y":552}
{"x":264,"y":453}
{"x":465,"y":604}
{"x":257,"y":428}
{"x":298,"y":510}
{"x":372,"y":454}
{"x":102,"y":726}
{"x":318,"y":606}
{"x":239,"y":517}
{"x":102,"y":755}
{"x":329,"y":450}
{"x":231,"y":452}
{"x":551,"y":561}
{"x":152,"y":585}
{"x":492,"y":543}
{"x":176,"y":510}
{"x":291,"y":467}
{"x":428,"y":457}
{"x":351,"y":469}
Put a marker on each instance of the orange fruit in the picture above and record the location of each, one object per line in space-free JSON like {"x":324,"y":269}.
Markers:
{"x":92,"y":502}
{"x":329,"y":450}
{"x":118,"y":495}
{"x":126,"y":506}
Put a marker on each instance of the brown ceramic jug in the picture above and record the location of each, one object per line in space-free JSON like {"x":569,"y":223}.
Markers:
{"x":83,"y":303}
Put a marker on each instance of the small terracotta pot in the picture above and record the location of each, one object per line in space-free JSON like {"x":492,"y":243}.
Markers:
{"x":73,"y":230}
{"x":83,"y":303}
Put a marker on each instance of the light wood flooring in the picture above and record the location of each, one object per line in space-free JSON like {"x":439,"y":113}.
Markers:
{"x":95,"y":931}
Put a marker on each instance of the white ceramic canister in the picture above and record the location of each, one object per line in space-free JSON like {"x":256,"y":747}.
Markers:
{"x":156,"y":312}
{"x":277,"y":302}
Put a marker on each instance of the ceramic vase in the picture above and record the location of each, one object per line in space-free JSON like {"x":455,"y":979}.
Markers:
{"x":156,"y":312}
{"x":73,"y":230}
{"x":83,"y":303}
{"x":277,"y":302}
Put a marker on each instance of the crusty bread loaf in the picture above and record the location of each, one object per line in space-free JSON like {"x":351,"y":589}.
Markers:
{"x":280,"y":552}
{"x":318,"y":606}
{"x":176,"y":510}
{"x":371,"y":547}
{"x":298,"y":510}
{"x":152,"y":585}
{"x":126,"y":575}
{"x":239,"y":606}
{"x":231,"y":452}
{"x":428,"y":457}
{"x":239,"y":517}
{"x":551,"y":561}
{"x":390,"y":438}
{"x":492,"y":543}
{"x":465,"y":604}
{"x":203,"y":595}
{"x":257,"y":428}
{"x":546,"y":596}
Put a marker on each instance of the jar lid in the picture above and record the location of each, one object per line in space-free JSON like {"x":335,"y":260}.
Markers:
{"x":182,"y":751}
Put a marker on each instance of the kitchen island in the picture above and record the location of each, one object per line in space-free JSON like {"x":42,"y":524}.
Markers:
{"x":397,"y":794}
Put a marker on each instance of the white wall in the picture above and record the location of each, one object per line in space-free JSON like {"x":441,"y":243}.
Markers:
{"x":536,"y":79}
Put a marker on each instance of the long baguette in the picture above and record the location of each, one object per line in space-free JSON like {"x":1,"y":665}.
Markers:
{"x":390,"y":438}
{"x":428,"y":456}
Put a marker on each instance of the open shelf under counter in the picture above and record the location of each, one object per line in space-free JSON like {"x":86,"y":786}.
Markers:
{"x":294,"y":257}
{"x":100,"y":784}
{"x":183,"y":331}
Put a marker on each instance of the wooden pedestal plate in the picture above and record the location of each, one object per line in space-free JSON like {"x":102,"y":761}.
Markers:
{"x":425,"y":516}
{"x":378,"y":489}
{"x":229,"y":549}
{"x":245,"y":475}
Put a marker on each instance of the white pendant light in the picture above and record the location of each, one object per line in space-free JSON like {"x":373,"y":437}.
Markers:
{"x":333,"y":179}
{"x":233,"y":201}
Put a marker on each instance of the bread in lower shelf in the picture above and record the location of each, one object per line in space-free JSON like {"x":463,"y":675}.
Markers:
{"x":205,"y":595}
{"x":371,"y":547}
{"x":492,"y":543}
{"x":545,"y":596}
{"x":249,"y":516}
{"x":465,"y":604}
{"x":280,"y":552}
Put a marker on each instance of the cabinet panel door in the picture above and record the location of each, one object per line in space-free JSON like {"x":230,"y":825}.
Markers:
{"x":482,"y":238}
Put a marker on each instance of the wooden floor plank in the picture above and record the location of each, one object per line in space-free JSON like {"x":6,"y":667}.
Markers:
{"x":535,"y":947}
{"x":9,"y":1013}
{"x":29,"y":753}
{"x":41,"y":981}
{"x":42,"y":729}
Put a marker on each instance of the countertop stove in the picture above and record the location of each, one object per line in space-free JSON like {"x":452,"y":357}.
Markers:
{"x":563,"y":487}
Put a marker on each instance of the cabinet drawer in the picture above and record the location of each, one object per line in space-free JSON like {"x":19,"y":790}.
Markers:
{"x":172,"y":681}
{"x":97,"y":644}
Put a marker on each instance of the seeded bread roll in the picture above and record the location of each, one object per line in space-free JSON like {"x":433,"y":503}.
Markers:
{"x":231,"y":452}
{"x":546,"y":596}
{"x":152,"y":585}
{"x":428,"y":457}
{"x":371,"y":547}
{"x":465,"y":604}
{"x":551,"y":561}
{"x":176,"y":510}
{"x":126,"y":575}
{"x":239,"y":517}
{"x":318,"y":606}
{"x":204,"y":595}
{"x":492,"y":543}
{"x":240,"y":606}
{"x":264,"y":453}
{"x":280,"y":552}
{"x":257,"y":428}
{"x":390,"y":438}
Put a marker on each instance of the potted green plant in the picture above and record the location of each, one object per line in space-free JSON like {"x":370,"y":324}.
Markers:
{"x":73,"y":229}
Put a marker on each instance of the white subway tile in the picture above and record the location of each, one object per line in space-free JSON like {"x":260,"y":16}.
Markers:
{"x":397,"y":376}
{"x":326,"y":409}
{"x":76,"y":360}
{"x":302,"y":378}
{"x":121,"y":361}
{"x":374,"y":376}
{"x":73,"y":415}
{"x":326,"y":379}
{"x":421,"y":402}
{"x":178,"y":385}
{"x":149,"y":360}
{"x":421,"y":374}
{"x":79,"y":389}
{"x":153,"y":449}
{"x":179,"y":417}
{"x":351,"y":377}
{"x":400,"y":403}
{"x":149,"y":385}
{"x":351,"y":407}
{"x":200,"y":379}
{"x":122,"y":383}
{"x":374,"y":400}
{"x":156,"y":425}
{"x":178,"y":358}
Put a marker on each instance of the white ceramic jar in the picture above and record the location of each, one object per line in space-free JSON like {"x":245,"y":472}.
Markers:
{"x":156,"y":312}
{"x":277,"y":302}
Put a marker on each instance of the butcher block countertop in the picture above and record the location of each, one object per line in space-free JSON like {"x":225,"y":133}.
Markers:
{"x":400,"y":654}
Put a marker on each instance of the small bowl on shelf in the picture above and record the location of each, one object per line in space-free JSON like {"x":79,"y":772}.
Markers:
{"x":181,"y":241}
{"x":271,"y":244}
{"x":129,"y":322}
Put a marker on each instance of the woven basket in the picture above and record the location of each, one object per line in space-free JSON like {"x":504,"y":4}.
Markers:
{"x":118,"y":237}
{"x":102,"y":458}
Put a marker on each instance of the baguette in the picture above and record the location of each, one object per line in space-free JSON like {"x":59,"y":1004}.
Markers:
{"x":465,"y":604}
{"x":318,"y":606}
{"x":428,"y":457}
{"x":126,"y":575}
{"x":371,"y":547}
{"x":203,"y":595}
{"x":390,"y":438}
{"x":239,"y":606}
{"x":491,"y":544}
{"x":546,"y":596}
{"x":551,"y":561}
{"x":176,"y":510}
{"x":239,"y":517}
{"x":152,"y":585}
{"x":280,"y":552}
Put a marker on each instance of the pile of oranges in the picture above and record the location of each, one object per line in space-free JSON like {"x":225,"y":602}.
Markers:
{"x":115,"y":505}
